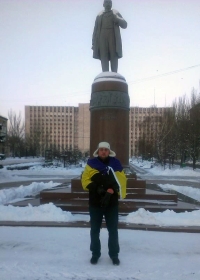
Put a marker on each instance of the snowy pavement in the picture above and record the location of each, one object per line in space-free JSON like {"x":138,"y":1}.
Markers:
{"x":63,"y":253}
{"x":49,"y":253}
{"x":49,"y":212}
{"x":175,"y":174}
{"x":16,"y":160}
{"x":144,"y":167}
{"x":38,"y":172}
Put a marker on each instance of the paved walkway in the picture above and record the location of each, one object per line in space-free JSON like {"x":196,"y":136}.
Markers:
{"x":82,"y":224}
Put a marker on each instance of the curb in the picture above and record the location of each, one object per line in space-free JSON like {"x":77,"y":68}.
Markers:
{"x":81,"y":224}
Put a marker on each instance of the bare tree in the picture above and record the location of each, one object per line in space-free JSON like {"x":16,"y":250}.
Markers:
{"x":194,"y":127}
{"x":195,"y":98}
{"x":182,"y":107}
{"x":188,"y":127}
{"x":39,"y":140}
{"x":16,"y":133}
{"x":165,"y":138}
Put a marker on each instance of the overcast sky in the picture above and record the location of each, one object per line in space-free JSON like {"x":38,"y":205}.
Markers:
{"x":46,"y":56}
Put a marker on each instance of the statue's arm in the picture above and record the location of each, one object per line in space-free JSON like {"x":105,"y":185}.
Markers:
{"x":120,"y":20}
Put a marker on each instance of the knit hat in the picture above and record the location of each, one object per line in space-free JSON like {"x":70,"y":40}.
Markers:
{"x":104,"y":145}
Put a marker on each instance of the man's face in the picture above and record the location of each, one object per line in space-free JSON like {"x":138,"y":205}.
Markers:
{"x":107,"y":5}
{"x":103,"y":153}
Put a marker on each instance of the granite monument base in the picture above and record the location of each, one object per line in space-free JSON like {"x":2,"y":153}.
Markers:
{"x":109,"y":108}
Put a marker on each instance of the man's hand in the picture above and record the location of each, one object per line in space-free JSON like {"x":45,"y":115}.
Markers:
{"x":111,"y":191}
{"x":113,"y":188}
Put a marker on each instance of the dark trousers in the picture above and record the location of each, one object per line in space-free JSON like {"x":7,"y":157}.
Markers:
{"x":111,"y":218}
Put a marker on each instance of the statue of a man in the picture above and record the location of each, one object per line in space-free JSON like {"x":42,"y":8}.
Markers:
{"x":106,"y":40}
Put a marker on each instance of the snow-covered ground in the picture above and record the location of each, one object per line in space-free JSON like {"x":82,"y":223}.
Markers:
{"x":63,"y":254}
{"x":19,"y":193}
{"x":172,"y":172}
{"x":22,"y":160}
{"x":31,"y":253}
{"x":188,"y":191}
{"x":36,"y":170}
{"x":49,"y":212}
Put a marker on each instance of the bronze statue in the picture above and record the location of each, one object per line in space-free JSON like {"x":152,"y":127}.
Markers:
{"x":106,"y":40}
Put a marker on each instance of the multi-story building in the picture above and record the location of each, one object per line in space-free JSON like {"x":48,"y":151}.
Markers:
{"x":48,"y":127}
{"x":69,"y":127}
{"x":83,"y":127}
{"x":3,"y":134}
{"x":144,"y":122}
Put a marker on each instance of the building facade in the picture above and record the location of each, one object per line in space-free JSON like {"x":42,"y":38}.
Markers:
{"x":51,"y":127}
{"x":62,"y":128}
{"x":3,"y":134}
{"x":83,"y":127}
{"x":144,"y":125}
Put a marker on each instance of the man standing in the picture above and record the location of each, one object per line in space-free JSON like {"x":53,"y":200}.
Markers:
{"x":104,"y":178}
{"x":106,"y":40}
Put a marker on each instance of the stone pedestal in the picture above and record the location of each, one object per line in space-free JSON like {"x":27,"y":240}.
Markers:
{"x":109,"y":109}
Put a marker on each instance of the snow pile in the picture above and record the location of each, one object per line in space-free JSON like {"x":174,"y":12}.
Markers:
{"x":188,"y":191}
{"x":49,"y":212}
{"x":46,"y":212}
{"x":166,"y":218}
{"x":43,"y":213}
{"x":16,"y":194}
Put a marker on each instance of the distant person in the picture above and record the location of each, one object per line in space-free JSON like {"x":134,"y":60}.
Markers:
{"x":106,"y":40}
{"x":105,"y":179}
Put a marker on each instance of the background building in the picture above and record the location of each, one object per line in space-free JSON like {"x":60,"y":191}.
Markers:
{"x":3,"y":134}
{"x":145,"y":124}
{"x":62,"y":128}
{"x":51,"y":127}
{"x":83,"y":127}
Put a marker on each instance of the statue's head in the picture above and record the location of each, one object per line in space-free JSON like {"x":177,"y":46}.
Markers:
{"x":107,"y":5}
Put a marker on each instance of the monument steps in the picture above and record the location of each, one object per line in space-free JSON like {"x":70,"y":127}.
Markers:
{"x":53,"y":196}
{"x":125,"y":208}
{"x":75,"y":199}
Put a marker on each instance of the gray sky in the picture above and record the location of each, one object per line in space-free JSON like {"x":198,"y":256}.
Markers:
{"x":46,"y":56}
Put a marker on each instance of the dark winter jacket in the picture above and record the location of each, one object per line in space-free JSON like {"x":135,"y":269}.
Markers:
{"x":97,"y":178}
